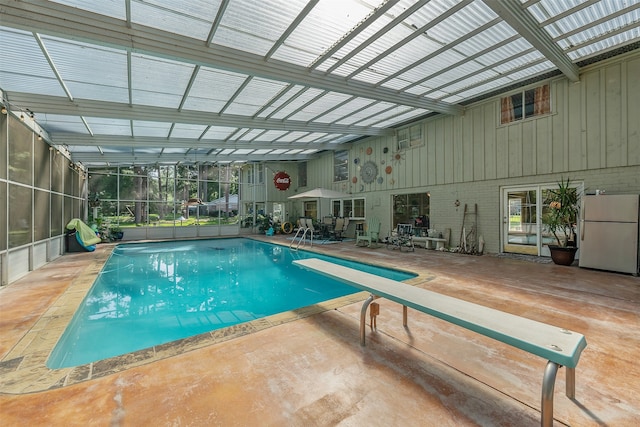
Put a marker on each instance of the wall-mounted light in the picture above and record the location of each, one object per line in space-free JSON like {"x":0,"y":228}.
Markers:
{"x":40,"y":137}
{"x":3,"y":110}
{"x":22,"y":116}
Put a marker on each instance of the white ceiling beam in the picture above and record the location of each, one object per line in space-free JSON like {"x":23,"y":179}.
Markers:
{"x":150,"y":159}
{"x":77,"y":24}
{"x":115,"y":110}
{"x":521,"y":20}
{"x":74,"y":139}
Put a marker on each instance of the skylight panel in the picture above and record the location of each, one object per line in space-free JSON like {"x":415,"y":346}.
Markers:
{"x":191,"y":18}
{"x":212,"y":89}
{"x":262,"y":151}
{"x":60,"y":123}
{"x":152,"y":129}
{"x":157,"y":81}
{"x":243,"y":151}
{"x":186,"y":130}
{"x":257,"y":93}
{"x":297,"y":103}
{"x":326,"y":24}
{"x":292,"y":136}
{"x":115,"y":9}
{"x":219,"y":132}
{"x":106,"y":126}
{"x":270,"y":135}
{"x":345,"y":110}
{"x":255,"y":29}
{"x":312,"y":137}
{"x":365,"y":113}
{"x":606,"y":44}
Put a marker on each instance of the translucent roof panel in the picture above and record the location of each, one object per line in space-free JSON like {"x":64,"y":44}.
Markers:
{"x":165,"y":81}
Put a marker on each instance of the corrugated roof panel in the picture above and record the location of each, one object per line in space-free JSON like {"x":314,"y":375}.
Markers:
{"x":89,"y":71}
{"x":154,"y":129}
{"x":251,"y":135}
{"x":364,"y":35}
{"x":326,"y":24}
{"x":257,"y":93}
{"x":327,"y":101}
{"x":212,"y":89}
{"x":113,"y":8}
{"x":186,"y":130}
{"x":371,"y":110}
{"x":292,"y":136}
{"x":401,"y":118}
{"x":297,"y":103}
{"x":61,"y":123}
{"x":219,"y":132}
{"x":255,"y":26}
{"x":609,"y":43}
{"x":158,"y":82}
{"x":25,"y":69}
{"x":345,"y":110}
{"x":270,"y":136}
{"x":105,"y":126}
{"x":283,"y":97}
{"x":312,"y":137}
{"x":390,"y":117}
{"x":191,"y":18}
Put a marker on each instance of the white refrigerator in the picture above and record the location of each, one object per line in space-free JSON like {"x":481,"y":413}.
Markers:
{"x":609,"y":233}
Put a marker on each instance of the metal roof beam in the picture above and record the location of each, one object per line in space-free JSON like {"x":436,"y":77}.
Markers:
{"x":116,"y":110}
{"x":521,"y":20}
{"x":74,"y":139}
{"x":150,"y":159}
{"x":77,"y":24}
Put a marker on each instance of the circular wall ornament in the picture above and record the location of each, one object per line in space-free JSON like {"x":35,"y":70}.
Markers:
{"x":385,"y":150}
{"x":354,"y":179}
{"x":388,"y":169}
{"x":356,"y":160}
{"x":369,"y":172}
{"x":369,"y":150}
{"x":380,"y":180}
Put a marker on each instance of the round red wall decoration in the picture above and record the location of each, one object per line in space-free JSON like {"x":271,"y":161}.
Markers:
{"x":282,"y":181}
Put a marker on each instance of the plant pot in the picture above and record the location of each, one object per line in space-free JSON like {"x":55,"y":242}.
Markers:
{"x":563,"y":255}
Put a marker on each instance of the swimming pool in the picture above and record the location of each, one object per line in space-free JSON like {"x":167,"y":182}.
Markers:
{"x":153,"y":293}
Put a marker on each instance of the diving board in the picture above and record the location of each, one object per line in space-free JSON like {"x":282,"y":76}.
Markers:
{"x":560,"y":347}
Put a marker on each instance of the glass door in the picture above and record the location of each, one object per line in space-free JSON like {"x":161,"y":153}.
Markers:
{"x":521,"y":231}
{"x":522,"y":212}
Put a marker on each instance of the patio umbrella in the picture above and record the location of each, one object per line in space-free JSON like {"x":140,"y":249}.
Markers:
{"x":320,"y":193}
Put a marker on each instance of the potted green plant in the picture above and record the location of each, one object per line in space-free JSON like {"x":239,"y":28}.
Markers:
{"x":116,"y":232}
{"x":560,"y":219}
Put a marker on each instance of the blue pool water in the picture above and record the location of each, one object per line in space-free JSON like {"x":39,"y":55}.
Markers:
{"x":153,"y":293}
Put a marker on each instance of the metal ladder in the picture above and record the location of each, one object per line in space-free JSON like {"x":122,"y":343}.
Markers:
{"x":301,"y":238}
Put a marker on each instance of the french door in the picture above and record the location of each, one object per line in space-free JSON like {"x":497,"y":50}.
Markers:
{"x":522,"y":211}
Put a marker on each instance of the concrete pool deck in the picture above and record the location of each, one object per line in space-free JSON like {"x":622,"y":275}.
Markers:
{"x":306,"y":367}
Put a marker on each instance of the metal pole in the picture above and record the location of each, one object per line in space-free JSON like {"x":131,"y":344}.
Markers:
{"x":548,"y":383}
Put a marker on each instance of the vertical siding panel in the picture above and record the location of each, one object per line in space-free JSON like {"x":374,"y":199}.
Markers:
{"x":575,"y":135}
{"x":528,"y":158}
{"x":615,"y":149}
{"x":592,"y":122}
{"x":432,"y":155}
{"x":490,"y":141}
{"x":440,"y":152}
{"x":467,"y":146}
{"x":514,"y":150}
{"x":449,"y":150}
{"x":547,"y":130}
{"x":633,"y":112}
{"x":502,"y":152}
{"x":477,"y":137}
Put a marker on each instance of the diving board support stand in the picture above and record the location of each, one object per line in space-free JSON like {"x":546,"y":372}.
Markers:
{"x":561,"y":347}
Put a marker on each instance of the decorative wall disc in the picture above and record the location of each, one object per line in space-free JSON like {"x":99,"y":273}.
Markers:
{"x":354,"y":179}
{"x":388,"y":169}
{"x":369,"y":172}
{"x":369,"y":150}
{"x":380,"y":180}
{"x":385,"y":150}
{"x":356,"y":160}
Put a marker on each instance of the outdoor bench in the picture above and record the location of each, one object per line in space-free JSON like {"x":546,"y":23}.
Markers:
{"x":560,"y":347}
